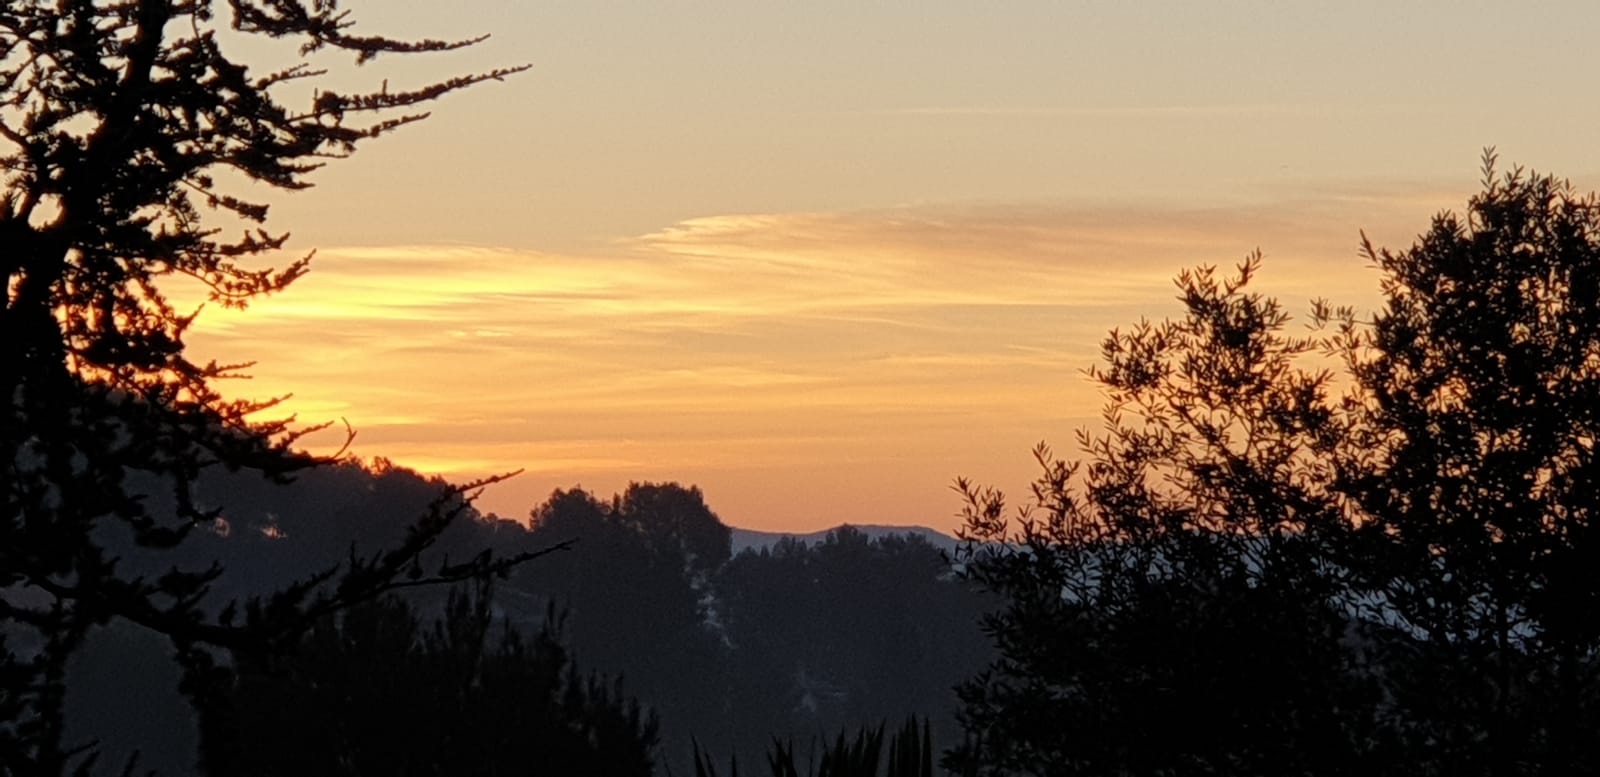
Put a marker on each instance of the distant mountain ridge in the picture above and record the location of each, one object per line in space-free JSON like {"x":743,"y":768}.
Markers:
{"x":751,"y":539}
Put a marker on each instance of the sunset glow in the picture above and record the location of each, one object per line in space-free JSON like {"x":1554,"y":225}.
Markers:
{"x":821,"y":262}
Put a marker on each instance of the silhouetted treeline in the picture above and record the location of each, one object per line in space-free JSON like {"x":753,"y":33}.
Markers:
{"x":375,"y":691}
{"x":793,"y":640}
{"x":788,"y":640}
{"x":266,"y":535}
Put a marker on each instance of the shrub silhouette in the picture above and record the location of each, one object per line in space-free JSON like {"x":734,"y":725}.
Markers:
{"x":910,"y":754}
{"x":372,"y":692}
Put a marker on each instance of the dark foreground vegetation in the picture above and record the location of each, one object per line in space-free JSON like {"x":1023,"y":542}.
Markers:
{"x":1366,"y":546}
{"x":1363,"y":547}
{"x":793,"y":639}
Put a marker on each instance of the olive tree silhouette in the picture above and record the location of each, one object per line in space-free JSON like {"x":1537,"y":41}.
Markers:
{"x":1264,"y":566}
{"x":1164,"y":609}
{"x":131,"y":137}
{"x":1471,"y":469}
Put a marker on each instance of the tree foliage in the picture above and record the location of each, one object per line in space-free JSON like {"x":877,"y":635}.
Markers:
{"x":1472,"y":471}
{"x":781,"y":640}
{"x":910,"y":754}
{"x":375,"y":693}
{"x":848,"y":629}
{"x":638,"y":596}
{"x":1264,"y":566}
{"x":1165,"y":611}
{"x":132,"y":141}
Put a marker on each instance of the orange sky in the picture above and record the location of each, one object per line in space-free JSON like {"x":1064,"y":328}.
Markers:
{"x":821,"y":261}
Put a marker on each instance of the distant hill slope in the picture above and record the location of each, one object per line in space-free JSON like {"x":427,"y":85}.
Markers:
{"x":744,"y":539}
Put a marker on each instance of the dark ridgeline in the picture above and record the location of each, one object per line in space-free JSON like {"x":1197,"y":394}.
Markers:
{"x":796,"y":641}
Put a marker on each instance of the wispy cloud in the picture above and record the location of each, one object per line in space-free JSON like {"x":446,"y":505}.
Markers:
{"x":905,"y":341}
{"x":1154,"y":111}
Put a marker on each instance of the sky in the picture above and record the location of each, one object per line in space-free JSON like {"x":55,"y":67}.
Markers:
{"x":823,"y":258}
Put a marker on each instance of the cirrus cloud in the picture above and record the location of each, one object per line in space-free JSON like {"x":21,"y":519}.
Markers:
{"x":868,"y":353}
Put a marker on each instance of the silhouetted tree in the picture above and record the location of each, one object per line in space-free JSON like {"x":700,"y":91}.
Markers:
{"x":1246,"y":576}
{"x":850,"y":629}
{"x":268,"y":533}
{"x":628,"y":577}
{"x":372,"y":693}
{"x":790,"y":640}
{"x":1472,"y":467}
{"x":126,"y":131}
{"x":638,"y":606}
{"x":910,"y":754}
{"x":677,"y":522}
{"x":1166,"y":611}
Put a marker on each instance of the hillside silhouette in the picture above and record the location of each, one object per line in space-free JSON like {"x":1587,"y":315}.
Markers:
{"x":793,"y":638}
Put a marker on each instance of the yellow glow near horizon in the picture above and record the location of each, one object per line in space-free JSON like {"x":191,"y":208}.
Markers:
{"x":821,"y":258}
{"x":862,"y":360}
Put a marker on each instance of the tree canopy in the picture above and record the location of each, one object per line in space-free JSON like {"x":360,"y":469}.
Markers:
{"x":133,"y":141}
{"x":1352,"y":550}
